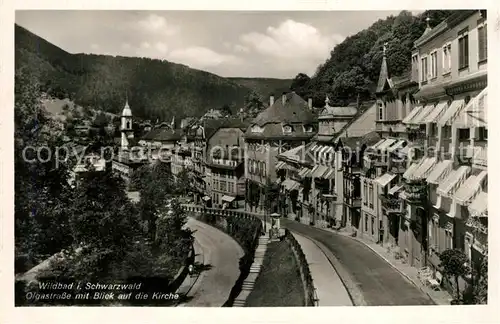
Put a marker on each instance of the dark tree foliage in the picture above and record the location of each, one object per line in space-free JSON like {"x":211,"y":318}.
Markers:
{"x":354,"y":65}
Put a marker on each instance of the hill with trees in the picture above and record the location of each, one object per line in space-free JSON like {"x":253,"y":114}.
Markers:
{"x":156,"y":89}
{"x":354,"y":65}
{"x":265,"y":86}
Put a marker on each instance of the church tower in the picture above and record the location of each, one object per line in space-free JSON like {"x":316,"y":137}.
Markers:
{"x":126,"y":126}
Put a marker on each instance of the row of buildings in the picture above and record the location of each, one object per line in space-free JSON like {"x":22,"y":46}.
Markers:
{"x":416,"y":178}
{"x":407,"y":171}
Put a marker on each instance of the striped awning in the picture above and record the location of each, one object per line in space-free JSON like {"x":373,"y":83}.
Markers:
{"x":424,"y":168}
{"x":290,"y":184}
{"x":330,"y":174}
{"x":480,"y":157}
{"x":412,"y":114}
{"x":420,"y":117}
{"x":470,"y":188}
{"x":453,"y":180}
{"x":437,"y":112}
{"x":451,"y":112}
{"x":411,"y":169}
{"x":479,"y":206}
{"x":475,"y":112}
{"x":280,"y":165}
{"x":441,"y":170}
{"x":396,"y":146}
{"x":304,"y":172}
{"x":395,"y":189}
{"x":319,"y":171}
{"x":378,"y":143}
{"x":388,"y":142}
{"x":384,"y":179}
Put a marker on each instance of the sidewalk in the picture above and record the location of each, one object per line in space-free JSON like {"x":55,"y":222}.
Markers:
{"x":440,"y":297}
{"x":329,"y":287}
{"x":187,"y":289}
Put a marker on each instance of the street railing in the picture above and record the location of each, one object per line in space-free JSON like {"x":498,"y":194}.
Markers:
{"x":311,"y":297}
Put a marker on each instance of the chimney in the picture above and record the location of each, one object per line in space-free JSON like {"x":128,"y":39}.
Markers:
{"x":283,"y":98}
{"x":310,"y":103}
{"x":271,"y":100}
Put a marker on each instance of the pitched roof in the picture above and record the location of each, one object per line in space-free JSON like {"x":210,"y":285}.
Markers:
{"x":168,"y":135}
{"x":329,"y":112}
{"x":294,"y":109}
{"x":211,"y":126}
{"x":359,"y":125}
{"x":152,"y":134}
{"x":367,"y":139}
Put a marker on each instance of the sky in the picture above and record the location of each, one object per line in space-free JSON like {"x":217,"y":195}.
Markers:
{"x":274,"y":44}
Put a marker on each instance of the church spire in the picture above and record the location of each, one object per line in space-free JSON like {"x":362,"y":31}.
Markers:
{"x":384,"y":72}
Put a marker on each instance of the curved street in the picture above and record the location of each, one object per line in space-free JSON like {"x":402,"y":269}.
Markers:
{"x":378,"y":282}
{"x":220,"y":255}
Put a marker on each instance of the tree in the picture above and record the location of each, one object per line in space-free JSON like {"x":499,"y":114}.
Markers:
{"x":455,"y":264}
{"x":226,"y":111}
{"x":299,"y":82}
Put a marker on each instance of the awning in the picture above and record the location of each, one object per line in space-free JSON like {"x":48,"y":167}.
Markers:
{"x":388,"y":142}
{"x":453,"y":179}
{"x":384,"y":179}
{"x":304,"y":172}
{"x":206,"y":198}
{"x":412,"y":114}
{"x":475,"y":113}
{"x":479,"y":206}
{"x":469,"y":188}
{"x":442,"y":169}
{"x":451,"y":112}
{"x":396,"y":146}
{"x":480,"y":156}
{"x":280,"y":165}
{"x":312,"y":148}
{"x":437,"y":112}
{"x":420,"y":118}
{"x":290,"y":184}
{"x":318,"y":171}
{"x":404,"y":151}
{"x":330,"y":174}
{"x":378,"y":143}
{"x":395,"y":189}
{"x":228,"y":198}
{"x":409,"y":172}
{"x":424,"y":168}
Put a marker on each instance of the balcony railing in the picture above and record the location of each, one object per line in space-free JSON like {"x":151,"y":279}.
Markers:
{"x":391,"y":205}
{"x":416,"y":191}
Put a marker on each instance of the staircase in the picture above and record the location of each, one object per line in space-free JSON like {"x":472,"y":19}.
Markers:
{"x":255,"y":269}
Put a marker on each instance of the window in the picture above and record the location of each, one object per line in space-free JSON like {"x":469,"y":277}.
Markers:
{"x":370,"y":195}
{"x":414,"y":63}
{"x":373,"y":225}
{"x":482,"y":134}
{"x":482,"y":37}
{"x":447,"y":58}
{"x":365,"y":194}
{"x":380,"y":112}
{"x":223,"y":186}
{"x":463,"y":50}
{"x":287,"y":129}
{"x":425,"y":70}
{"x":434,"y":65}
{"x":366,"y":222}
{"x":463,"y":134}
{"x":449,"y":239}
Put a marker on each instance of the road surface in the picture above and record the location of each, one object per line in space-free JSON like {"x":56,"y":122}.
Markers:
{"x":220,"y":255}
{"x":378,"y":282}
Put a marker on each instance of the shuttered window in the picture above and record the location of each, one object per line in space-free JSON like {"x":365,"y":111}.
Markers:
{"x":482,"y":42}
{"x":463,"y":50}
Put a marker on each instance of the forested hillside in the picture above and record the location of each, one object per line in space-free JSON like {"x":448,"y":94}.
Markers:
{"x":265,"y":87}
{"x":155,"y":89}
{"x":354,"y":64}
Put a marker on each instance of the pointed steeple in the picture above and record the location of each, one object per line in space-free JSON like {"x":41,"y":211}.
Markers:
{"x":126,"y":112}
{"x":384,"y":72}
{"x":327,"y":101}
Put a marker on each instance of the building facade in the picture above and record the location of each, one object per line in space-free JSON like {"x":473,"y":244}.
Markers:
{"x":287,"y":123}
{"x":451,"y":60}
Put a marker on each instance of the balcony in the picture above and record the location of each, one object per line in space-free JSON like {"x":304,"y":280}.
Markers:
{"x":416,"y":191}
{"x":391,"y":205}
{"x":398,"y":169}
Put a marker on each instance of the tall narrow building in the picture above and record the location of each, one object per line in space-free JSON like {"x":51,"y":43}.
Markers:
{"x":126,"y":126}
